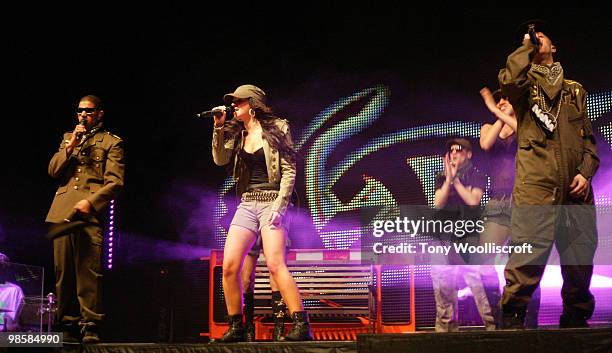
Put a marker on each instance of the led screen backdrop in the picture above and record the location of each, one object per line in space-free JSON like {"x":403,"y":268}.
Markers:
{"x":357,"y":152}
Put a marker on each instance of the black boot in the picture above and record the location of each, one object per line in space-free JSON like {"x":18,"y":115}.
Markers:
{"x":513,"y":318}
{"x":72,"y":333}
{"x":235,"y":332}
{"x":301,"y":328}
{"x":278,"y":312}
{"x":91,"y":333}
{"x":573,"y":320}
{"x":249,"y":312}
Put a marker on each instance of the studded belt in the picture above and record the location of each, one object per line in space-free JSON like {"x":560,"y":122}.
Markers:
{"x":260,"y":195}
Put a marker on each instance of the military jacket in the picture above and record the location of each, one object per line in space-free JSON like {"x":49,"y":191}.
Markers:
{"x":550,"y":153}
{"x":280,"y":170}
{"x":94,"y":171}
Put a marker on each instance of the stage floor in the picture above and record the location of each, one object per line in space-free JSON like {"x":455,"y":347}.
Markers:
{"x":503,"y":341}
{"x":257,"y":347}
{"x":524,"y":341}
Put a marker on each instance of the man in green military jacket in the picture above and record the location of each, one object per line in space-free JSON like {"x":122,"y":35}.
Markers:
{"x":552,"y":198}
{"x":90,"y":167}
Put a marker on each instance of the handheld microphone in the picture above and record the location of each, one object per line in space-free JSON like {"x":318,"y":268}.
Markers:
{"x":215,"y":112}
{"x":82,"y":122}
{"x":532,"y":35}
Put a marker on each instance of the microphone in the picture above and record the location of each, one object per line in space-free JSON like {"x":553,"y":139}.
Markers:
{"x":532,"y":34}
{"x":215,"y":112}
{"x":82,"y":122}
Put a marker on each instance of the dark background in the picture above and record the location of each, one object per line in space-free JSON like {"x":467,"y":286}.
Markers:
{"x":156,"y":67}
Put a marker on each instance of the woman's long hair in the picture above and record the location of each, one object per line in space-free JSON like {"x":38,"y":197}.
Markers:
{"x":276,"y":138}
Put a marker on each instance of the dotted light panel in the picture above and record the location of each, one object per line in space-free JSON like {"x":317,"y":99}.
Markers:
{"x":221,"y":211}
{"x":599,"y":104}
{"x":606,"y":131}
{"x":111,"y":236}
{"x":322,"y":201}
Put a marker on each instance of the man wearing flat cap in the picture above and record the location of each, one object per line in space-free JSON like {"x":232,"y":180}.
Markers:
{"x":459,"y":189}
{"x":458,"y":176}
{"x":552,"y":195}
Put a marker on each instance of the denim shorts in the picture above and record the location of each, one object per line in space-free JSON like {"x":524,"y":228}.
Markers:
{"x":498,"y":210}
{"x":253,"y":215}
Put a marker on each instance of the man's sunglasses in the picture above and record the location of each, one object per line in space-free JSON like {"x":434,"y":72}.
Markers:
{"x":87,"y":111}
{"x":457,"y":149}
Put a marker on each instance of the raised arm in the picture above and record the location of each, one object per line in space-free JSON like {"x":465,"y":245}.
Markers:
{"x":443,"y":184}
{"x":513,"y":79}
{"x":60,"y":159}
{"x":489,"y":133}
{"x":489,"y":101}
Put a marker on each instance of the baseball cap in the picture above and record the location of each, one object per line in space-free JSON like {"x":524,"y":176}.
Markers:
{"x":459,"y":141}
{"x":244,"y":92}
